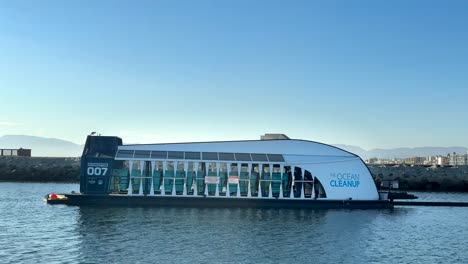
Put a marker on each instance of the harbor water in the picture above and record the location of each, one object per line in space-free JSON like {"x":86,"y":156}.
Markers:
{"x":34,"y":232}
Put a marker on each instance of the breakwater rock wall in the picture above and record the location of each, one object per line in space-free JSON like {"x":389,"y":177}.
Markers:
{"x":39,"y":169}
{"x":43,"y":169}
{"x":424,"y":178}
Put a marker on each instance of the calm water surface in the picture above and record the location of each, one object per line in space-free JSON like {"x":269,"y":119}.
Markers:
{"x":34,"y":232}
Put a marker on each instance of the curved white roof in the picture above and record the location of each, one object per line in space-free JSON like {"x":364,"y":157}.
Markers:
{"x":285,"y":147}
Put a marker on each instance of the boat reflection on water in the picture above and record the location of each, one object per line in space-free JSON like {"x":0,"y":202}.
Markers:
{"x":179,"y":235}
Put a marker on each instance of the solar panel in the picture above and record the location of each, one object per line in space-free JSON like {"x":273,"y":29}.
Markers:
{"x":192,"y":155}
{"x":243,"y":157}
{"x":259,"y":157}
{"x":210,"y":156}
{"x":125,"y":154}
{"x":159,"y":154}
{"x":145,"y":154}
{"x":175,"y":155}
{"x":226,"y":156}
{"x":275,"y":157}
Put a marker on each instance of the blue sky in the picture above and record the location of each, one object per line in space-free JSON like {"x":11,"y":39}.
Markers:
{"x":368,"y":73}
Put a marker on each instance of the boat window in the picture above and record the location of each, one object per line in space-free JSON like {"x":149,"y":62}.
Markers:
{"x":125,"y":154}
{"x":308,"y":183}
{"x":210,"y":155}
{"x":277,"y":169}
{"x":319,"y":191}
{"x":142,"y":154}
{"x":170,"y":165}
{"x":192,"y":155}
{"x":258,"y":168}
{"x":180,"y":166}
{"x":175,"y":154}
{"x":159,"y":154}
{"x":136,"y":165}
{"x":244,"y":167}
{"x":297,"y":181}
{"x":275,"y":158}
{"x":243,"y":157}
{"x":146,"y":169}
{"x":234,"y":167}
{"x":119,"y":177}
{"x":200,"y":166}
{"x":158,"y":166}
{"x":259,"y":157}
{"x":223,"y":167}
{"x":211,"y":167}
{"x":192,"y":167}
{"x":203,"y":167}
{"x":226,"y":156}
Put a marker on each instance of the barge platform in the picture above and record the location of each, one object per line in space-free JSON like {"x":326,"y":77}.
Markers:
{"x":225,"y":202}
{"x":212,"y":202}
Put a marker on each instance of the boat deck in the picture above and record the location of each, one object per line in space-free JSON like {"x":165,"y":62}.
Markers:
{"x":214,"y":202}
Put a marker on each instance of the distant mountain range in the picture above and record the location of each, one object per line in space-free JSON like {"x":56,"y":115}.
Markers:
{"x":42,"y":147}
{"x":402,"y":152}
{"x":52,"y":147}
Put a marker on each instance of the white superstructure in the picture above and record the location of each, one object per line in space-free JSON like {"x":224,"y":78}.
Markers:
{"x":284,"y":169}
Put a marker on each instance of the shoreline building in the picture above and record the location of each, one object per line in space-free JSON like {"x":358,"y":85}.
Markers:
{"x":457,"y":159}
{"x":21,"y":152}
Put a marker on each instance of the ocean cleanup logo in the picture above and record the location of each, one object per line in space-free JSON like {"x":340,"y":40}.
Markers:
{"x":344,"y":179}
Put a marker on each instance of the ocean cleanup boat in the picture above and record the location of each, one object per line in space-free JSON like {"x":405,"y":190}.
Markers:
{"x":274,"y":172}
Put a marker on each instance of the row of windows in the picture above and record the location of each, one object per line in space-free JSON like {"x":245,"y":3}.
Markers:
{"x":289,"y":181}
{"x":209,"y":166}
{"x":190,"y":155}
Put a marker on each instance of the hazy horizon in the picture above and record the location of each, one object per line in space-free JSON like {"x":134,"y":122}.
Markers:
{"x":372,"y":74}
{"x":347,"y":147}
